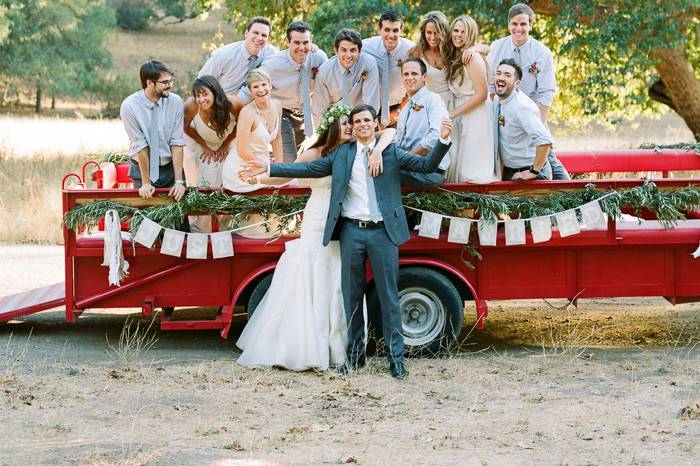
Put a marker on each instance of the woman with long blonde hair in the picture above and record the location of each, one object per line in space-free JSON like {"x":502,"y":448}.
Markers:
{"x":473,"y":146}
{"x":433,"y":30}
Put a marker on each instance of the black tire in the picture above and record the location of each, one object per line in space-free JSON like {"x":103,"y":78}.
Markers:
{"x":257,"y":294}
{"x":432,"y":311}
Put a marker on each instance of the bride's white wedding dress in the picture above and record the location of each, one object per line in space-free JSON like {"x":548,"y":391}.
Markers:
{"x":300,"y":322}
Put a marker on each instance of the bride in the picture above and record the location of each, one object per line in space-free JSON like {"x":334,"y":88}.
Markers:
{"x":300,"y":323}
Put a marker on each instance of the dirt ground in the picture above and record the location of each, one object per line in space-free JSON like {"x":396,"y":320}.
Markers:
{"x":601,"y":384}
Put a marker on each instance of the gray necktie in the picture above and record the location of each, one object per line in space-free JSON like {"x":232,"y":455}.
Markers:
{"x":385,"y":89}
{"x":154,"y":144}
{"x":306,"y":90}
{"x":374,"y":213}
{"x":346,"y":87}
{"x":497,"y":142}
{"x":252,"y":62}
{"x":403,"y":122}
{"x":517,"y":56}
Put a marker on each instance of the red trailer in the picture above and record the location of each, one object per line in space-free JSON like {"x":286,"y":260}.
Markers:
{"x":626,"y":259}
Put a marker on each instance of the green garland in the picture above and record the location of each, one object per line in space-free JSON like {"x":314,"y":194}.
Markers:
{"x":668,"y":205}
{"x":681,"y":145}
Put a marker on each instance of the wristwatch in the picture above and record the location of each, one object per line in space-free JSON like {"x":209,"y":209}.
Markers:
{"x":533,"y":171}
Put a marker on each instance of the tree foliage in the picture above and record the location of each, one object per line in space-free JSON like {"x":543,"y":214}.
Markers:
{"x":605,"y":49}
{"x":137,"y":15}
{"x":54,"y":47}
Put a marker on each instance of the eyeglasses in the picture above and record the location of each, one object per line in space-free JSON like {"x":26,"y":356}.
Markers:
{"x":166,"y":82}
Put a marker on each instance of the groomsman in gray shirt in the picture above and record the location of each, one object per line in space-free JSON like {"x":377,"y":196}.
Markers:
{"x":389,"y":49}
{"x":535,"y":61}
{"x":293,"y":72}
{"x":418,"y":127}
{"x":523,"y":140}
{"x":153,"y":120}
{"x":350,"y":77}
{"x":231,"y":63}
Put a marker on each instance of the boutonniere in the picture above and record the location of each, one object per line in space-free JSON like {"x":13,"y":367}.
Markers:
{"x":399,"y":63}
{"x":417,"y":108}
{"x":364,"y":75}
{"x":501,"y":120}
{"x":533,"y":68}
{"x":314,"y":72}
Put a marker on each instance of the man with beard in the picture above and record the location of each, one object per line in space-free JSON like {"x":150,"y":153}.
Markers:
{"x":523,"y":140}
{"x":351,"y":77}
{"x":153,"y":119}
{"x":231,"y":63}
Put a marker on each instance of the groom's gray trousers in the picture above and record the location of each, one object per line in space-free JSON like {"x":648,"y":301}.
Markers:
{"x":356,"y":245}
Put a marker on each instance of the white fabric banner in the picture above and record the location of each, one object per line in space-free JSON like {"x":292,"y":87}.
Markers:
{"x":197,"y":245}
{"x":567,"y":223}
{"x":172,"y":242}
{"x":541,"y":229}
{"x":459,"y":230}
{"x":430,"y":225}
{"x":487,"y":232}
{"x":515,"y":232}
{"x":147,"y":233}
{"x":593,"y":216}
{"x":221,"y":244}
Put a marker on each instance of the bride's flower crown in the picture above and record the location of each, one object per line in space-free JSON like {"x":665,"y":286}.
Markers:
{"x":331,"y":115}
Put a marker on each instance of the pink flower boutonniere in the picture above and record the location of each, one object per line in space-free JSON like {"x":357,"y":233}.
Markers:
{"x":314,"y":72}
{"x":501,"y":120}
{"x":364,"y":75}
{"x":416,"y":107}
{"x":399,"y":63}
{"x":533,"y":69}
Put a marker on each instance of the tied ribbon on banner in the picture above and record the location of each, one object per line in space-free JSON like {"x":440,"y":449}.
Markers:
{"x":113,"y":255}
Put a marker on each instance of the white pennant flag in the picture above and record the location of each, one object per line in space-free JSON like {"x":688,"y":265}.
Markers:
{"x":147,"y":233}
{"x":459,"y":230}
{"x":541,"y":229}
{"x":696,"y":254}
{"x":221,"y":244}
{"x":430,"y":225}
{"x":567,"y":223}
{"x":172,"y":242}
{"x":487,"y":232}
{"x":593,"y":216}
{"x":515,"y":232}
{"x":197,"y":244}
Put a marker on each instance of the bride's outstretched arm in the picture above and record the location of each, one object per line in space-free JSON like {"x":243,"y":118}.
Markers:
{"x":376,"y":166}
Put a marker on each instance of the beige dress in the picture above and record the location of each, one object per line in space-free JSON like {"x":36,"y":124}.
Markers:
{"x":197,"y":172}
{"x":472,"y":139}
{"x":436,"y":81}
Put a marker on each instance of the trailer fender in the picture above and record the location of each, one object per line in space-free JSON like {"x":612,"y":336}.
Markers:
{"x":245,"y":283}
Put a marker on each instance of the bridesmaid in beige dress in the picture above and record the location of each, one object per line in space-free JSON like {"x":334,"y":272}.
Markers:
{"x":472,"y":151}
{"x":433,"y":28}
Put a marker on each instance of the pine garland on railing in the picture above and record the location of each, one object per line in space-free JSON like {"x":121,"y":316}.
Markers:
{"x":681,"y":145}
{"x":668,"y":205}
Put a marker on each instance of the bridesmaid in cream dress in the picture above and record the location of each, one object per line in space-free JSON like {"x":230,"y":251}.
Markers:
{"x":472,"y":151}
{"x":210,"y":120}
{"x":433,"y":27}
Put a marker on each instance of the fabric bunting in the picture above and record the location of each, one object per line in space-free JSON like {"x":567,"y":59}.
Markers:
{"x":515,"y":232}
{"x":197,"y":244}
{"x":593,"y":216}
{"x":221,"y":244}
{"x":172,"y":242}
{"x":147,"y":233}
{"x":567,"y":223}
{"x":487,"y":232}
{"x":430,"y":224}
{"x":541,"y":228}
{"x":459,"y":230}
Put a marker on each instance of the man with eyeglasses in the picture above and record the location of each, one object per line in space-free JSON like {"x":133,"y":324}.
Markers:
{"x":153,"y":119}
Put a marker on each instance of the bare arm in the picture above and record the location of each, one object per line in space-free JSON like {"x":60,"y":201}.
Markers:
{"x":178,"y":189}
{"x":477,"y":73}
{"x":544,"y":113}
{"x":277,"y":152}
{"x":246,"y":126}
{"x":142,"y":157}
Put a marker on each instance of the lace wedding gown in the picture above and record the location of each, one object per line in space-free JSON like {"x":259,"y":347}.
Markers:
{"x":300,"y":322}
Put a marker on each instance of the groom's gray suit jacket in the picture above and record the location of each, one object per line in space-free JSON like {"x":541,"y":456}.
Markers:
{"x":387,"y":186}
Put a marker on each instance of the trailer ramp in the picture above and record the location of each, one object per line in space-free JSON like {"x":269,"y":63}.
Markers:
{"x":32,"y":301}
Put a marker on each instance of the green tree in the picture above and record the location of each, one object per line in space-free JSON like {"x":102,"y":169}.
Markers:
{"x":137,"y":15}
{"x":615,"y":58}
{"x":54,"y":47}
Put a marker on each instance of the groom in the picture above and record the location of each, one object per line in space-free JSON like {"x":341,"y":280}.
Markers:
{"x":367,"y":216}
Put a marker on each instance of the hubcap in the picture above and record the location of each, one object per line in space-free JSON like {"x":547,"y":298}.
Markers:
{"x":422,"y":315}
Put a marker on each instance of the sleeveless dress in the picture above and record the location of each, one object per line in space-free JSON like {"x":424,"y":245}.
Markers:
{"x":436,"y":81}
{"x":472,"y":148}
{"x":261,"y":146}
{"x":300,"y":322}
{"x":198,"y":173}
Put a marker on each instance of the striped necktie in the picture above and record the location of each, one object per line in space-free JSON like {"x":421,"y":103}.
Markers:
{"x":346,"y":87}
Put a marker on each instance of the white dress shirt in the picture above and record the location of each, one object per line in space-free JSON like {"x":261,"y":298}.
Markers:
{"x":536,"y":61}
{"x":230,"y":64}
{"x":356,"y":202}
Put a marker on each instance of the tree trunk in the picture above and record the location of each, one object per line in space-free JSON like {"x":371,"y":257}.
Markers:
{"x":53,"y":102}
{"x":37,"y":103}
{"x":681,"y":85}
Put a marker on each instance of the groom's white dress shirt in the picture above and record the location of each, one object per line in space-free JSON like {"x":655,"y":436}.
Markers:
{"x":356,"y":202}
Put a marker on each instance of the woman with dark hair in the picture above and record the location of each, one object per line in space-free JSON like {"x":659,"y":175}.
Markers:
{"x":300,"y":323}
{"x":210,"y":120}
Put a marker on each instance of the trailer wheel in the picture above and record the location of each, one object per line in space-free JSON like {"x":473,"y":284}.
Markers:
{"x":257,"y":294}
{"x":432,"y":311}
